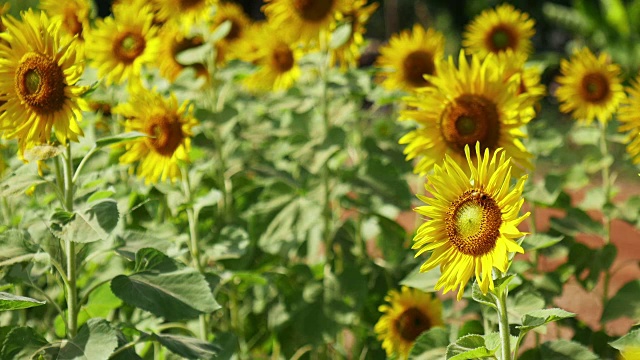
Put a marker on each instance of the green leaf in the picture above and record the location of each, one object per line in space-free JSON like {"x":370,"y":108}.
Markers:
{"x":626,"y":302}
{"x":585,"y":135}
{"x":540,"y":241}
{"x":576,"y":222}
{"x":95,"y":340}
{"x":523,"y":303}
{"x":425,"y":281}
{"x":431,"y":344}
{"x":632,"y":339}
{"x":92,"y":224}
{"x":468,"y":347}
{"x":340,"y":36}
{"x":20,"y":180}
{"x":616,"y":15}
{"x":565,"y":350}
{"x":195,"y":55}
{"x":210,"y":199}
{"x":477,"y":295}
{"x":220,"y":32}
{"x":536,"y":318}
{"x":116,"y":139}
{"x":21,"y":343}
{"x":187,"y":347}
{"x":15,"y":302}
{"x":153,"y":259}
{"x":232,"y":243}
{"x":174,"y":295}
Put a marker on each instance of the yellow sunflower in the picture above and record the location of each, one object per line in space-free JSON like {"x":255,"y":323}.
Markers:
{"x":74,"y":15}
{"x":514,"y":64}
{"x":169,"y":128}
{"x":38,"y":73}
{"x":303,"y":20}
{"x":409,"y":56}
{"x":226,"y":47}
{"x":186,"y":13}
{"x":408,"y":314}
{"x":172,"y":42}
{"x":248,"y":46}
{"x":630,"y":120}
{"x":630,"y":353}
{"x":357,"y":16}
{"x":499,"y":29}
{"x":277,"y":62}
{"x":589,"y":86}
{"x":472,"y":220}
{"x":464,"y":105}
{"x":120,"y":46}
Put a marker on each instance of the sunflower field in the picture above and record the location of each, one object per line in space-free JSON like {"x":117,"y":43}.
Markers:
{"x":319,"y":179}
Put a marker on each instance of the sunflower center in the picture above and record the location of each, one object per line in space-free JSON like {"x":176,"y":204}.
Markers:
{"x":468,"y":119}
{"x":72,"y":23}
{"x":40,"y":83}
{"x":417,"y":64}
{"x":473,"y":222}
{"x":411,"y":323}
{"x":128,"y":46}
{"x":501,"y":38}
{"x":188,"y":4}
{"x":234,"y":31}
{"x":595,"y":87}
{"x":166,"y":132}
{"x":313,"y":10}
{"x":282,"y":58}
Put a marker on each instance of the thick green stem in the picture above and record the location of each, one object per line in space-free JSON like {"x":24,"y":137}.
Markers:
{"x":503,"y":324}
{"x":327,"y":214}
{"x":70,"y":250}
{"x":194,"y":249}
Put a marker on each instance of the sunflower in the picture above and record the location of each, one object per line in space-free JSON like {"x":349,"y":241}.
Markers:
{"x":472,"y":220}
{"x":348,"y":54}
{"x":589,"y":87}
{"x":464,"y":105}
{"x":74,"y":15}
{"x":499,"y":29}
{"x":239,"y":21}
{"x":172,"y":42}
{"x":169,"y":128}
{"x":409,"y":56}
{"x":184,"y":12}
{"x":630,"y":120}
{"x":630,"y":353}
{"x":408,"y":314}
{"x":303,"y":20}
{"x":277,"y":62}
{"x":514,"y":64}
{"x":3,"y":10}
{"x":38,"y":73}
{"x":248,"y":46}
{"x":120,"y":46}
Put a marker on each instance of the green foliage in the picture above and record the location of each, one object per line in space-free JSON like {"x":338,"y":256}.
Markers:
{"x":626,"y":302}
{"x":15,"y":302}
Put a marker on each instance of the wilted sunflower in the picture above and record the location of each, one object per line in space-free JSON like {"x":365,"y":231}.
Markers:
{"x":408,"y":314}
{"x":186,"y":13}
{"x":169,"y":129}
{"x":589,"y":87}
{"x":172,"y":42}
{"x":277,"y":62}
{"x":464,"y":105}
{"x":239,"y":21}
{"x":499,"y":29}
{"x":472,"y":219}
{"x":119,"y":46}
{"x":630,"y":120}
{"x":409,"y":56}
{"x":357,"y":16}
{"x":74,"y":15}
{"x":38,"y":73}
{"x":303,"y":19}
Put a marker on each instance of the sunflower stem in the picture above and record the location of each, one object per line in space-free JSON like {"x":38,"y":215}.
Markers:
{"x":326,"y":174}
{"x":70,"y":249}
{"x":193,"y":244}
{"x":606,"y":189}
{"x":503,"y":324}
